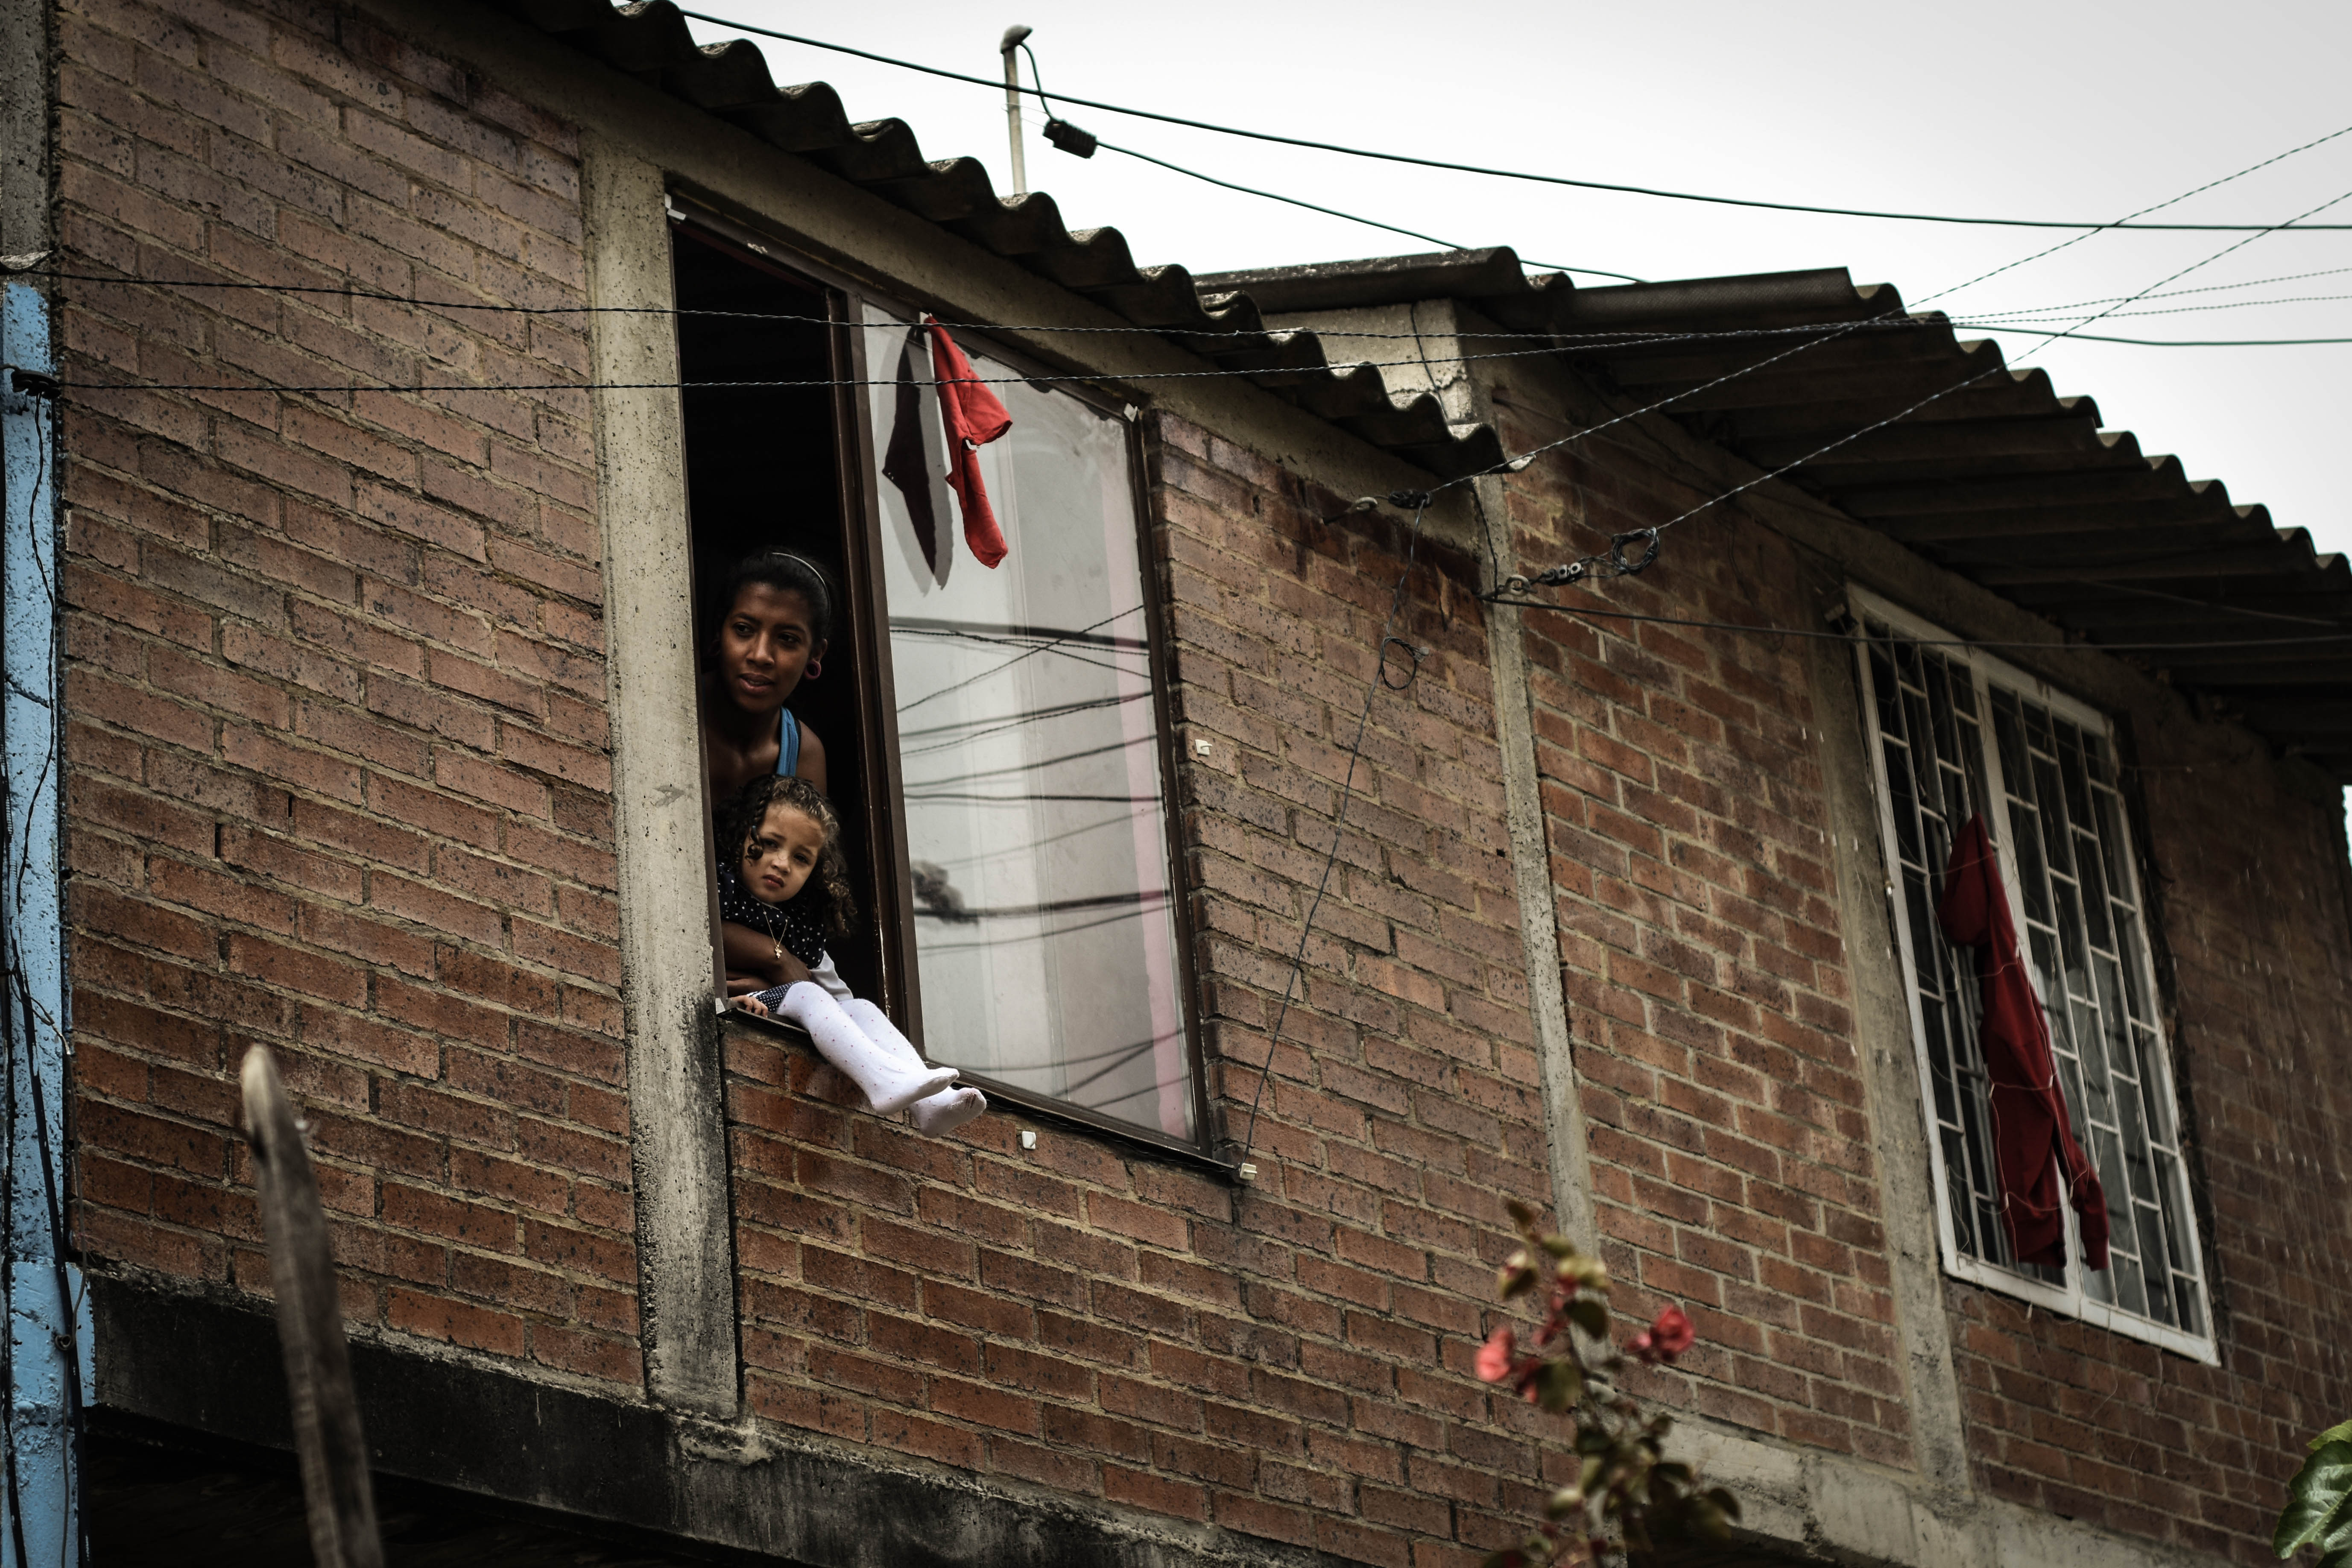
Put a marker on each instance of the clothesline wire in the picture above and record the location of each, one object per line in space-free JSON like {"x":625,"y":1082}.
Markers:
{"x":999,"y":84}
{"x":1914,"y":319}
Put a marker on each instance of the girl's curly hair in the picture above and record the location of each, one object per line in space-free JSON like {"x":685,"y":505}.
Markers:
{"x":744,"y":814}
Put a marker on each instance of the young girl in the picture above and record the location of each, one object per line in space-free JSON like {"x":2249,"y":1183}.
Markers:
{"x":774,"y":623}
{"x":775,"y":617}
{"x":784,"y":885}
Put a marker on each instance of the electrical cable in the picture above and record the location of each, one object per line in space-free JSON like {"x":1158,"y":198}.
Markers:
{"x":1351,"y":217}
{"x":2174,"y":342}
{"x":1576,"y":609}
{"x":1989,"y":317}
{"x":1560,"y":342}
{"x":1520,"y":582}
{"x":2179,"y":293}
{"x":1518,"y":175}
{"x":30,"y":1015}
{"x":1059,"y":129}
{"x":1129,"y":744}
{"x":1419,"y":504}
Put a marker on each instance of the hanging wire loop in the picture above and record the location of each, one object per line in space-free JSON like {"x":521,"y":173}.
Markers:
{"x":1413,"y":654}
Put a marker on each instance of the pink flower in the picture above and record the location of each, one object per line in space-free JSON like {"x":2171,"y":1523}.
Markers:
{"x":1668,"y":1335}
{"x":1494,"y":1356}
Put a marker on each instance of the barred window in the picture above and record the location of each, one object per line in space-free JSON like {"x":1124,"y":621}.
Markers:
{"x":1956,"y":733}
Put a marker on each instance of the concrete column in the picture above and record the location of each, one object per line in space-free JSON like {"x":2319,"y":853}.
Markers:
{"x":685,"y":1260}
{"x":1515,"y":733}
{"x":1890,"y":1072}
{"x":25,"y":99}
{"x":1437,"y":329}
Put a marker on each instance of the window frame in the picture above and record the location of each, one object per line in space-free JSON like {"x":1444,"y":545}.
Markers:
{"x":1986,"y":671}
{"x":845,"y":298}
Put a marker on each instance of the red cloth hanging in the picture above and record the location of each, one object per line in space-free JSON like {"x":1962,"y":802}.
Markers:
{"x":2033,"y":1138}
{"x":974,"y":419}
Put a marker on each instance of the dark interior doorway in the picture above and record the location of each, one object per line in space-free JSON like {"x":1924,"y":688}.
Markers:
{"x":763,"y":470}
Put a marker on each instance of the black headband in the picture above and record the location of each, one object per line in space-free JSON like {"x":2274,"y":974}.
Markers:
{"x":814,"y":571}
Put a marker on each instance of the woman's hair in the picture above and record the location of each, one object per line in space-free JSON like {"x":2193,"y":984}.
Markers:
{"x":744,"y":814}
{"x":786,"y":572}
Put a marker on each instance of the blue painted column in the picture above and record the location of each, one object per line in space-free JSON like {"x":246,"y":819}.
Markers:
{"x":47,"y":1314}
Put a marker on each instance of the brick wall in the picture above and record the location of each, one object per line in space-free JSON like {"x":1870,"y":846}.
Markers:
{"x":1734,"y":1165}
{"x":2107,"y":1429}
{"x":337,"y":782}
{"x":1293,"y":1360}
{"x":337,"y":767}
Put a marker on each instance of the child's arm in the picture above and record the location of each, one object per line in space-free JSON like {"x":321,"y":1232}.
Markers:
{"x":755,"y":962}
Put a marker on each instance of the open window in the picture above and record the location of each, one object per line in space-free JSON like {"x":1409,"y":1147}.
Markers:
{"x":1956,"y":733}
{"x":997,"y":739}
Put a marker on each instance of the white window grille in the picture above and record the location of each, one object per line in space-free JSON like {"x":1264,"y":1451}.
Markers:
{"x":1955,"y":732}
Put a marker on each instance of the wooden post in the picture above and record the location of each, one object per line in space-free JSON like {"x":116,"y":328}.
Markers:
{"x":311,"y":1328}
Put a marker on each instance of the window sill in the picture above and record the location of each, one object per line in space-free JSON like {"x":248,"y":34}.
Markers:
{"x":1004,"y":1097}
{"x":2098,"y":1314}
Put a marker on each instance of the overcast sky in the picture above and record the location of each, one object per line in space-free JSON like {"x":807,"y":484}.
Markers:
{"x":1997,"y":108}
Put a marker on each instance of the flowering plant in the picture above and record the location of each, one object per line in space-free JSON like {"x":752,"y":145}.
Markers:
{"x":1628,"y":1497}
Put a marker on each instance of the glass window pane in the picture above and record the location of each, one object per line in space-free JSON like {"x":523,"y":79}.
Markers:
{"x":1028,"y":745}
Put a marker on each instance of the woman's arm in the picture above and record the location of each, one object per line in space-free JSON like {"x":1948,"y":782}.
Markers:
{"x":812,"y":763}
{"x":755,"y":962}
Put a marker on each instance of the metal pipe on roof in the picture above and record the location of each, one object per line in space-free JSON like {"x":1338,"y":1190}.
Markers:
{"x":1014,"y":35}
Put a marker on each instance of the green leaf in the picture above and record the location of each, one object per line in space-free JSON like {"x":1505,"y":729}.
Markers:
{"x":1558,"y":1386}
{"x":2318,"y":1503}
{"x":1725,"y":1503}
{"x":1521,"y":1215}
{"x":2333,"y":1435}
{"x":1590,"y":1315}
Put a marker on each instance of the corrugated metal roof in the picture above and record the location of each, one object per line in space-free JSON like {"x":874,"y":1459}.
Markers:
{"x":2005,"y":481}
{"x":650,"y":42}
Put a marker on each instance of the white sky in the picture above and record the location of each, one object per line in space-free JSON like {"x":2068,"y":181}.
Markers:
{"x":1999,"y":108}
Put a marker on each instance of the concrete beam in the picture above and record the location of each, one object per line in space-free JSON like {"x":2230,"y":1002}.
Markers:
{"x":210,"y":1368}
{"x":1826,"y":1508}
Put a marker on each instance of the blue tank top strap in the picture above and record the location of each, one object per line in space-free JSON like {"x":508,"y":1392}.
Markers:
{"x":788,"y":745}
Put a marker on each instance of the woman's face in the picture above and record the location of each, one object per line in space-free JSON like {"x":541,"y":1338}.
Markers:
{"x":764,"y":644}
{"x":782,"y":852}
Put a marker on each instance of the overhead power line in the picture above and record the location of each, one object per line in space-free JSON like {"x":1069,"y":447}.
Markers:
{"x":1082,"y":143}
{"x":997,"y":84}
{"x":1335,"y":212}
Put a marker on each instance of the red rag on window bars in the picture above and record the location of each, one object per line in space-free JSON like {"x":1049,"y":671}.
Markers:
{"x":2033,"y":1138}
{"x":974,"y":419}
